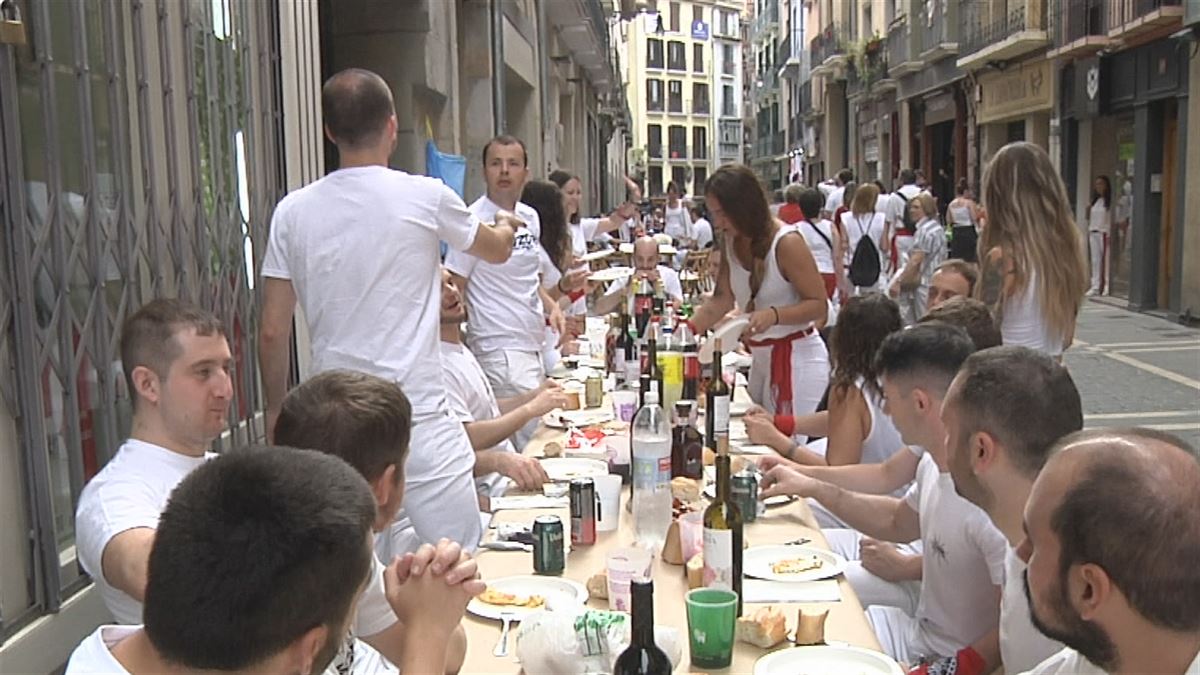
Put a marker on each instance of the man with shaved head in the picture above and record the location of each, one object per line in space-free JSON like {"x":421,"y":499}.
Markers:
{"x":646,"y":266}
{"x":358,"y":250}
{"x":1112,"y":540}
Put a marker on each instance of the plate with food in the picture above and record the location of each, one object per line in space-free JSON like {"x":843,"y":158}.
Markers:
{"x":523,"y":595}
{"x":611,"y":274}
{"x":841,"y":659}
{"x":561,"y":419}
{"x":562,"y":469}
{"x":791,"y":563}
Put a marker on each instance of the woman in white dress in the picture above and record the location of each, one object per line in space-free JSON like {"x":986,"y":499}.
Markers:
{"x":1033,"y":271}
{"x":768,"y":270}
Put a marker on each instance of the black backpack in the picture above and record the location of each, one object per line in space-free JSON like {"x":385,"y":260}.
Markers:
{"x":906,"y":221}
{"x":864,"y":265}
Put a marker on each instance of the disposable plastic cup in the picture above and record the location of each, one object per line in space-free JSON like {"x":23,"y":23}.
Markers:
{"x":691,"y":534}
{"x":711,"y":614}
{"x":608,"y":493}
{"x":625,"y":564}
{"x":624,"y":405}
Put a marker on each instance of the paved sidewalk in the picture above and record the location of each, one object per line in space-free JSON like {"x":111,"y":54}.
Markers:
{"x":1135,"y":369}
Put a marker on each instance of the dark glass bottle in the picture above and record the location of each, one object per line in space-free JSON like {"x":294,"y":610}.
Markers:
{"x":643,"y":656}
{"x":723,"y":536}
{"x":687,"y":445}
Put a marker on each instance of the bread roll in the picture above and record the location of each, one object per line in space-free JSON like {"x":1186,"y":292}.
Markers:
{"x":764,"y":628}
{"x":597,"y":586}
{"x":672,"y":552}
{"x":810,"y":628}
{"x":695,"y":571}
{"x":552,"y":449}
{"x":685,"y":489}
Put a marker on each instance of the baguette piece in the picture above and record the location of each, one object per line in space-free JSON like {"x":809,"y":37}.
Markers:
{"x":672,"y":552}
{"x":695,"y":571}
{"x":685,"y":489}
{"x":597,"y":585}
{"x":810,"y":628}
{"x":765,"y":628}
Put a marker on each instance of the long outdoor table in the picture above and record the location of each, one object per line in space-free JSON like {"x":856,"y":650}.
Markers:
{"x":779,"y":525}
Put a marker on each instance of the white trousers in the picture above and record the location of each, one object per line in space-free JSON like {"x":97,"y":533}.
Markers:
{"x":512,"y":373}
{"x":439,"y":490}
{"x":1096,"y":251}
{"x":810,"y":376}
{"x":900,"y":634}
{"x":870,"y":589}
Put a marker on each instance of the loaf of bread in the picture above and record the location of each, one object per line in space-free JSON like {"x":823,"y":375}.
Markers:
{"x":685,"y":489}
{"x":764,"y":628}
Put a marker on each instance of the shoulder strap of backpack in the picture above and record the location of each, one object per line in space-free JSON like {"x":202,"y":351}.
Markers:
{"x":828,"y":241}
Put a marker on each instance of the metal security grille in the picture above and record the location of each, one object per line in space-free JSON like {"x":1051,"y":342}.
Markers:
{"x":140,"y":157}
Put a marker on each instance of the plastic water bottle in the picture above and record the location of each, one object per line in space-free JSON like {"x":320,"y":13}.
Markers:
{"x":650,"y":445}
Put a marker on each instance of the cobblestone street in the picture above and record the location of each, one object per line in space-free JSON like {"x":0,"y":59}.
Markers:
{"x":1137,"y":370}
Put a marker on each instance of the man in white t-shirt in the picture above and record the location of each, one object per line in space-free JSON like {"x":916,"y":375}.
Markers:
{"x":702,"y":229}
{"x":256,"y":564}
{"x":1111,"y":540}
{"x":177,"y":363}
{"x":513,"y":300}
{"x":646,"y":266}
{"x":489,"y":422}
{"x":367,"y":422}
{"x":358,"y":249}
{"x":963,"y":562}
{"x":836,"y":198}
{"x":1004,"y":411}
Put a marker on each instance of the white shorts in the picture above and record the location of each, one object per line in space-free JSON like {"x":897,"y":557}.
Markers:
{"x":900,"y":635}
{"x":871,"y":589}
{"x":810,"y":376}
{"x":512,"y":373}
{"x":439,"y":491}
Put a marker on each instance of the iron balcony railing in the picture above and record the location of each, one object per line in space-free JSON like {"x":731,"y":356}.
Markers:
{"x":939,"y":27}
{"x":765,"y":19}
{"x":979,"y":32}
{"x":1121,"y":12}
{"x":829,"y":43}
{"x":785,"y":51}
{"x":900,"y":46}
{"x":1071,"y":20}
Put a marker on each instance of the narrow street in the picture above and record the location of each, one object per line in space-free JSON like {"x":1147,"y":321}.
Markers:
{"x":1137,"y":370}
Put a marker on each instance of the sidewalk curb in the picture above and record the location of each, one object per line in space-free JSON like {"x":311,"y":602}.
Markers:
{"x":1122,"y":304}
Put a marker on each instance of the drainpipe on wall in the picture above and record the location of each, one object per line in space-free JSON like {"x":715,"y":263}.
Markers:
{"x":544,"y":74}
{"x":496,"y":33}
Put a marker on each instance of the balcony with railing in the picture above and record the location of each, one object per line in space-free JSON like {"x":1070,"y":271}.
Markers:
{"x":766,"y":84}
{"x":677,"y":151}
{"x":765,"y":22}
{"x":828,"y":49}
{"x":938,"y":30}
{"x":903,"y":47}
{"x":1077,"y":27}
{"x":868,"y":72}
{"x":1133,"y":18}
{"x":986,"y":37}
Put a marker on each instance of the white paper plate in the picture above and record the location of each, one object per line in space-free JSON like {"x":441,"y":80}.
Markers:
{"x":757,"y":561}
{"x":558,"y":592}
{"x":566,"y":468}
{"x":729,"y":333}
{"x":560,"y":419}
{"x":826,"y":659}
{"x":611,"y":274}
{"x":594,"y":255}
{"x":663,"y":249}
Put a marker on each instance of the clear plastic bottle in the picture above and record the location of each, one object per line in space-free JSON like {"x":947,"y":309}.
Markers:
{"x":670,"y":362}
{"x":650,"y":445}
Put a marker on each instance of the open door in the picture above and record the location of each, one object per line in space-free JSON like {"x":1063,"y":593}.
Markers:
{"x":1166,"y":237}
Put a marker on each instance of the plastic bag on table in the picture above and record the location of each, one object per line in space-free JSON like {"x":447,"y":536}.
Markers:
{"x":582,"y":641}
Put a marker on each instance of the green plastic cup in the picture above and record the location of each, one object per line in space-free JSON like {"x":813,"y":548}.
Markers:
{"x":711,"y":614}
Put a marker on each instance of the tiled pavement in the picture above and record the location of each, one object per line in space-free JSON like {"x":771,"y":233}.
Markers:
{"x":1136,"y":370}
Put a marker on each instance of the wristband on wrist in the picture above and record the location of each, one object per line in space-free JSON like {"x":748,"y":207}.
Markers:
{"x":560,"y":286}
{"x":776,"y":310}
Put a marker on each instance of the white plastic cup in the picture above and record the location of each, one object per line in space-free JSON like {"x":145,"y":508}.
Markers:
{"x":608,"y":492}
{"x":624,"y":405}
{"x":625,"y":564}
{"x":691,"y":534}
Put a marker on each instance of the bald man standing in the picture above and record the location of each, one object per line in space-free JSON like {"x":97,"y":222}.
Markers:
{"x":1112,"y":540}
